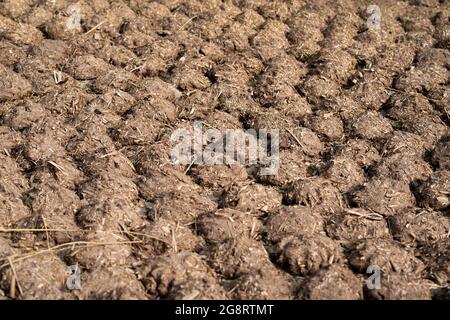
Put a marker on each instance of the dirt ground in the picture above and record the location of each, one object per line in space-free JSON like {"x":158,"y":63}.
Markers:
{"x":86,"y":115}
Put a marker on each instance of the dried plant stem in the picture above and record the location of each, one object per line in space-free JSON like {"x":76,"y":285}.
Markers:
{"x":19,"y":257}
{"x":40,"y":230}
{"x":14,"y":280}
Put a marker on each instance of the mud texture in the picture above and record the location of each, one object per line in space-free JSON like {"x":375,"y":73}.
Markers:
{"x":86,"y":178}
